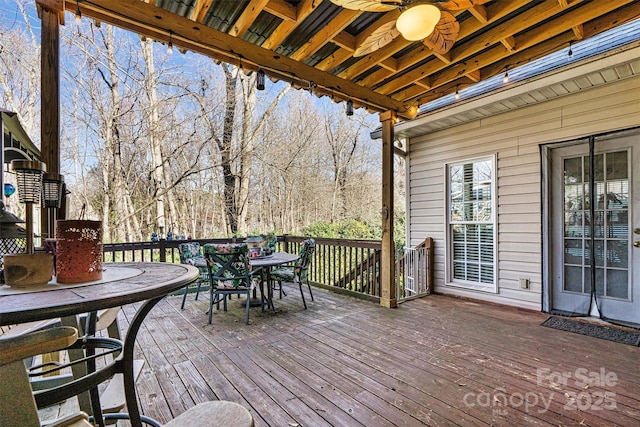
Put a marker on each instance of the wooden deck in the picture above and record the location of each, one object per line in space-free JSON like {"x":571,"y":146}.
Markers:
{"x":344,"y":362}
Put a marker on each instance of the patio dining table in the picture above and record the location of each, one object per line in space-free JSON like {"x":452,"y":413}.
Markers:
{"x":266,"y":263}
{"x":122,"y":283}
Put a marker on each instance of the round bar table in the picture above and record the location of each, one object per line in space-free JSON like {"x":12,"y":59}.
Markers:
{"x":122,"y":283}
{"x":267,"y":263}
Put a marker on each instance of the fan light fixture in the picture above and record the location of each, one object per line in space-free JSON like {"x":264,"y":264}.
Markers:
{"x":418,"y":22}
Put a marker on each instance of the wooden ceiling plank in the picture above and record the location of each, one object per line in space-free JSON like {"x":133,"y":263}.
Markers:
{"x":333,"y":60}
{"x":611,"y":20}
{"x":282,"y":10}
{"x":304,"y":9}
{"x":531,"y":17}
{"x":389,"y":64}
{"x":424,"y":83}
{"x":327,"y":33}
{"x":151,"y":21}
{"x":444,"y":57}
{"x":369,"y":61}
{"x":592,"y":28}
{"x":474,"y":76}
{"x":480,"y":13}
{"x":578,"y":31}
{"x":509,"y":43}
{"x":246,"y":18}
{"x":576,"y":17}
{"x":199,"y":10}
{"x":345,"y":41}
{"x":494,"y":68}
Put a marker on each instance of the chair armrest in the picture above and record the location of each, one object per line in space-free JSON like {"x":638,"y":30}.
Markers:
{"x":74,"y":420}
{"x":29,"y":345}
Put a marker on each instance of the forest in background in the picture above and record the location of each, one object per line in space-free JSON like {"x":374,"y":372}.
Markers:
{"x":156,"y":141}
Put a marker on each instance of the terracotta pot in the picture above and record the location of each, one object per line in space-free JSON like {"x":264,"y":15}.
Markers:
{"x":78,"y":251}
{"x":25,"y":270}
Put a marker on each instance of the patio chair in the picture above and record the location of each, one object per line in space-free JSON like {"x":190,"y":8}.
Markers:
{"x":190,"y":254}
{"x":18,"y":403}
{"x":298,"y":273}
{"x":229,"y":274}
{"x":19,"y":406}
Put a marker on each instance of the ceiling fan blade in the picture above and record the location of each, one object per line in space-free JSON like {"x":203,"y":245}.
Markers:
{"x":461,"y":4}
{"x":444,"y":35}
{"x":368,"y":5}
{"x":380,"y":37}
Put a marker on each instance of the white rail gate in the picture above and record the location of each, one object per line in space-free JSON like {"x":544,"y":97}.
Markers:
{"x":414,"y":281}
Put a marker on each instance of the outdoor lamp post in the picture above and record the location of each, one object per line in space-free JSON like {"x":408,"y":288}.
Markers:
{"x":28,"y":268}
{"x":52,"y":187}
{"x":29,"y":180}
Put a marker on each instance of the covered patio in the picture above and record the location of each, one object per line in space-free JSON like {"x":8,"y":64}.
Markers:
{"x":349,"y":51}
{"x":344,"y":362}
{"x":439,"y":360}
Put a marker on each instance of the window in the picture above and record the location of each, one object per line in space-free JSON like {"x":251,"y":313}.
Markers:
{"x":471,"y":227}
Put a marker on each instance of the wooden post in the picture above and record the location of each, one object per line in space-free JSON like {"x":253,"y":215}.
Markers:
{"x":387,"y":261}
{"x":51,"y":13}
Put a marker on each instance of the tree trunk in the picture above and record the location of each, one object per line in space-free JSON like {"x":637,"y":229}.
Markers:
{"x":116,"y":181}
{"x":163,"y":192}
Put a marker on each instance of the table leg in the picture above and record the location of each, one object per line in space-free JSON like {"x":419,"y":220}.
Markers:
{"x":78,"y":370}
{"x":126,"y":361}
{"x":270,"y":290}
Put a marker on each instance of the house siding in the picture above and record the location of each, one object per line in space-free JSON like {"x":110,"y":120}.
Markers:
{"x":514,"y":138}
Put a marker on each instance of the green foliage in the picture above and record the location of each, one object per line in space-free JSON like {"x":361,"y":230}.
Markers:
{"x":399,"y":229}
{"x":347,"y":229}
{"x":360,"y":229}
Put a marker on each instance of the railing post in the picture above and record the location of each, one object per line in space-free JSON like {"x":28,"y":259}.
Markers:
{"x":285,"y":240}
{"x":429,"y":264}
{"x":163,"y":250}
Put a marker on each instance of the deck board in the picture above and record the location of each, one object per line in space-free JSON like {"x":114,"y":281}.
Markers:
{"x":346,"y":362}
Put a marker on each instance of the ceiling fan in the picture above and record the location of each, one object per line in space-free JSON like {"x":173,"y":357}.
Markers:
{"x":426,"y":20}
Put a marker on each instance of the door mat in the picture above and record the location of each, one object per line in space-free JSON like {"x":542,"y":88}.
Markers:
{"x":597,"y":331}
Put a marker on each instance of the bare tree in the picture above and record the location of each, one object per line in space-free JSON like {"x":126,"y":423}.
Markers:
{"x":20,"y":69}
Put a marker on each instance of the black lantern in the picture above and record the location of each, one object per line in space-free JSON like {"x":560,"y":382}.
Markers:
{"x":349,"y":108}
{"x":52,"y":184}
{"x":260,"y":80}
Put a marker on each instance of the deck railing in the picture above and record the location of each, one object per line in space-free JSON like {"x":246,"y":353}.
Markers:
{"x":340,"y":265}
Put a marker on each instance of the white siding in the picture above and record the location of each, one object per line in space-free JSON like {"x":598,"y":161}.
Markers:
{"x":514,"y":137}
